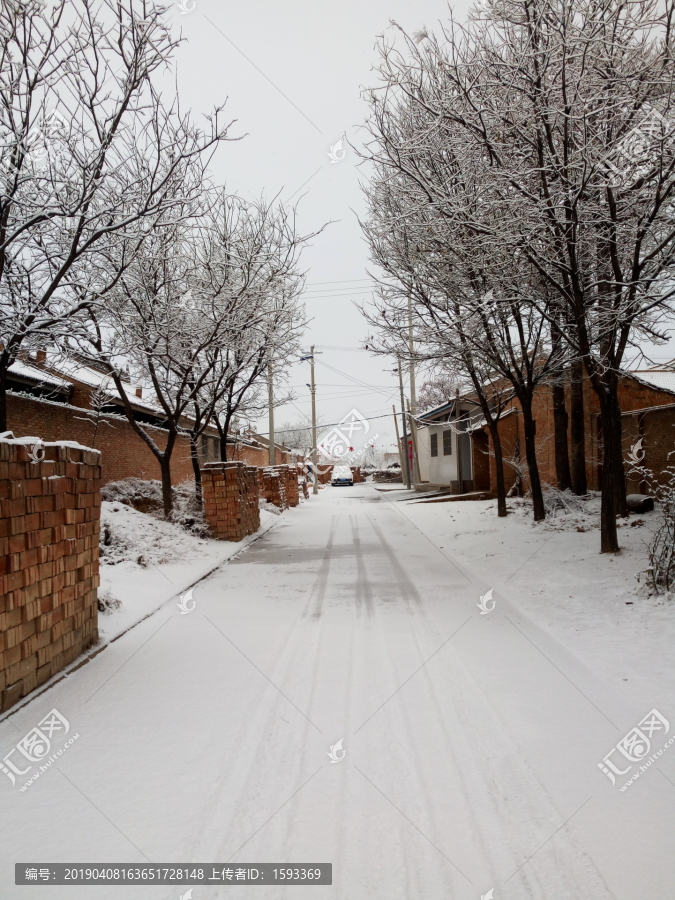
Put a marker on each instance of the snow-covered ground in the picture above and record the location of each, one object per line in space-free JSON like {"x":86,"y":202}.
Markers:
{"x":472,"y":740}
{"x":554,"y":572}
{"x":148,"y":561}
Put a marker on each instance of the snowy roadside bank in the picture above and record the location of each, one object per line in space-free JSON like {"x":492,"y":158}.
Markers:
{"x":588,"y":601}
{"x":167,"y":561}
{"x":171,"y":561}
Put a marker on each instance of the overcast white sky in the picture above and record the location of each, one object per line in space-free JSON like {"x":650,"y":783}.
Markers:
{"x":292,"y":75}
{"x":318,"y":54}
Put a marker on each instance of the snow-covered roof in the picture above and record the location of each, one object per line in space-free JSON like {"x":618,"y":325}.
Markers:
{"x":663,"y":379}
{"x":93,"y":378}
{"x":428,"y":417}
{"x":24,"y":370}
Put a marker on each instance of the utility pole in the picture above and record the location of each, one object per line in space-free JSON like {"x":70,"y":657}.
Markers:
{"x":398,"y":441}
{"x":417,"y":478}
{"x":270,"y":400}
{"x":413,"y":435}
{"x":405,"y":433}
{"x":315,"y":463}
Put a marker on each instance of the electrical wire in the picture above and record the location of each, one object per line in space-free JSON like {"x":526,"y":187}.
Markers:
{"x":329,"y":425}
{"x":351,"y":378}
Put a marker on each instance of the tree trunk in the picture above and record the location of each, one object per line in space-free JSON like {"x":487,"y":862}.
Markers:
{"x":3,"y":399}
{"x":530,"y":429}
{"x":222,"y":441}
{"x":577,"y":430}
{"x":620,"y":474}
{"x":194,"y":456}
{"x":560,"y":420}
{"x":608,"y":408}
{"x":499,"y":466}
{"x":167,"y":497}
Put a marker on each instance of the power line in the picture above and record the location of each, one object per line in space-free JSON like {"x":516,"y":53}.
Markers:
{"x":354,"y":349}
{"x":317,"y":296}
{"x":330,"y":424}
{"x":358,"y":381}
{"x":343,"y":281}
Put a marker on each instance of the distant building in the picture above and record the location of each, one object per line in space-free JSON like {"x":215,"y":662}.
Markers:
{"x":455,"y":447}
{"x":52,"y":399}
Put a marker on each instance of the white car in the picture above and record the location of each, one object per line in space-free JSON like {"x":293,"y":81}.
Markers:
{"x":342,"y":475}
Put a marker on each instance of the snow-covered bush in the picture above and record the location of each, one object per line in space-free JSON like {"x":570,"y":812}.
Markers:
{"x":659,"y":576}
{"x":566,"y":501}
{"x":129,"y":536}
{"x":565,"y":511}
{"x":146,"y":497}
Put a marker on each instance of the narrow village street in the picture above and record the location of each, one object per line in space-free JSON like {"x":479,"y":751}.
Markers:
{"x":471,"y":739}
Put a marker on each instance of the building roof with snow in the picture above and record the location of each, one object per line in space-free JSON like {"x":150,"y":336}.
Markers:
{"x":662,"y":378}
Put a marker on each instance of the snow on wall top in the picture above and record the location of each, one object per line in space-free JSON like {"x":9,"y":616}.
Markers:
{"x":7,"y":437}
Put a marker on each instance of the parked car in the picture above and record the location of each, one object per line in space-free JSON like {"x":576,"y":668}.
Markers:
{"x":342,"y":475}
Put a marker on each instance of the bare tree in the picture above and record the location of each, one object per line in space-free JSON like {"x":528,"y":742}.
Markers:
{"x":87,"y":155}
{"x":430,"y":228}
{"x":565,"y":112}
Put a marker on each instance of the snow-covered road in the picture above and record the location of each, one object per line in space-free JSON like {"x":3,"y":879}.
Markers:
{"x":472,"y":740}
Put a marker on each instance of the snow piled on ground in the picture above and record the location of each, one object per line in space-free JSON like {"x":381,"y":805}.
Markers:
{"x":146,"y":497}
{"x":554,"y":572}
{"x":146,"y":561}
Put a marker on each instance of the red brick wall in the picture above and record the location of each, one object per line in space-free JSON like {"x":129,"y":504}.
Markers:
{"x":231,"y":500}
{"x":656,"y":428}
{"x":509,"y":432}
{"x":125,"y":453}
{"x":632,"y":395}
{"x":49,"y":536}
{"x":480,"y":447}
{"x":658,"y":431}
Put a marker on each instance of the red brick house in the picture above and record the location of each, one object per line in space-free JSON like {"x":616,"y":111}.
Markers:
{"x":647,"y":400}
{"x":53,"y":400}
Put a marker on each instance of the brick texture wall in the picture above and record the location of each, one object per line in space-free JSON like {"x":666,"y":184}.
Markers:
{"x":49,"y":534}
{"x":289,"y":477}
{"x":272,"y":485}
{"x":124,"y":454}
{"x":657,"y":430}
{"x":231,"y":500}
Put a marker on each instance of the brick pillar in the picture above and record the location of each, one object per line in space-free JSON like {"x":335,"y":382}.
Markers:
{"x":231,"y":494}
{"x":289,"y":476}
{"x":326,"y":475}
{"x":301,"y":476}
{"x":274,"y":489}
{"x":50,"y":505}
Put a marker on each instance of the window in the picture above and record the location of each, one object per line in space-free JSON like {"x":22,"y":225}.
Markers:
{"x":434,"y":444}
{"x":447,"y":442}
